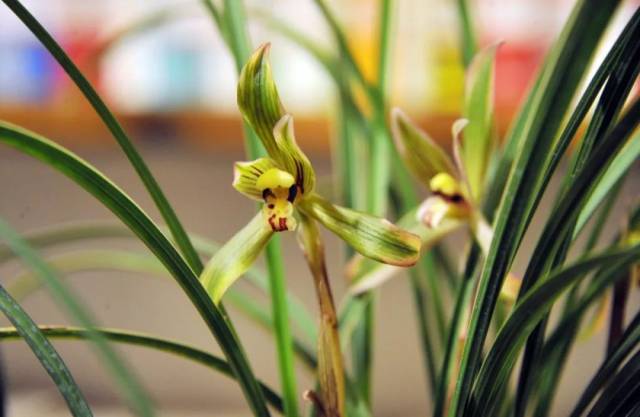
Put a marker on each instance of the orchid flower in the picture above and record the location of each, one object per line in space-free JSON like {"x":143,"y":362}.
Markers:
{"x":456,"y":184}
{"x":284,"y":182}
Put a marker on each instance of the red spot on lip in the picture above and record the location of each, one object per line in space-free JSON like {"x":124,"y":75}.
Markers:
{"x":283,"y":224}
{"x":273,"y":226}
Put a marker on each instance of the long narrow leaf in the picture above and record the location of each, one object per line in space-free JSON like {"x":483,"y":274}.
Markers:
{"x":143,"y":340}
{"x":512,"y":336}
{"x":26,"y":328}
{"x":123,"y":207}
{"x":570,"y":58}
{"x":126,"y":380}
{"x":83,"y":231}
{"x":114,"y":127}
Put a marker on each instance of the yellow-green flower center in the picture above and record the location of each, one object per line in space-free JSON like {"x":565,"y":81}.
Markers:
{"x":279,"y":191}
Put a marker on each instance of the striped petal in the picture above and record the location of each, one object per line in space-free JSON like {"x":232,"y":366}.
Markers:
{"x":291,"y":158}
{"x":246,"y":175}
{"x":373,"y":237}
{"x":421,"y":154}
{"x":258,"y":98}
{"x":235,"y":257}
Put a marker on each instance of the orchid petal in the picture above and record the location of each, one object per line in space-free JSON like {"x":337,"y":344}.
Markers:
{"x":246,"y":175}
{"x":421,"y":154}
{"x":235,"y":257}
{"x":373,"y":237}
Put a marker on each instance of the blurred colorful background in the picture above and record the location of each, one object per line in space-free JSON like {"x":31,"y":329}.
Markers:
{"x":173,"y":77}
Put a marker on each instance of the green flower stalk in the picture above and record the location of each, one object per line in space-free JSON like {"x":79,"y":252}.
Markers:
{"x":284,"y":183}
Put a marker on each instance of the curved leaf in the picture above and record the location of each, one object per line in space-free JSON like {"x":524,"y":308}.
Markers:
{"x":525,"y":316}
{"x":114,"y":127}
{"x":129,"y":385}
{"x":26,"y":328}
{"x":137,"y":220}
{"x":478,"y":109}
{"x":143,"y":340}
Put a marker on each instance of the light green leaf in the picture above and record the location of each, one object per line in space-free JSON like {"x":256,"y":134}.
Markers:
{"x":46,"y":354}
{"x":235,"y":257}
{"x":246,"y":174}
{"x":258,"y":98}
{"x":478,"y":109}
{"x":619,"y":166}
{"x":420,"y":153}
{"x":373,"y":237}
{"x":291,"y":157}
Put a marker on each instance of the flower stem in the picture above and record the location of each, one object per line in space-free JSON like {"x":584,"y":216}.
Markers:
{"x":330,"y":367}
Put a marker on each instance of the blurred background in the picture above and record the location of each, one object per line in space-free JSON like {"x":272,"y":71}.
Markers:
{"x":173,"y":86}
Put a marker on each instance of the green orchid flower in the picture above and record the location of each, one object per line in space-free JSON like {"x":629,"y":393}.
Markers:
{"x":455,"y":184}
{"x":284,"y":183}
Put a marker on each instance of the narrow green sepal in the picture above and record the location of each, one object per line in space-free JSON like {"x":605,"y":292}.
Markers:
{"x":373,"y":237}
{"x":235,"y":257}
{"x":291,"y":157}
{"x":258,"y":98}
{"x":421,"y":154}
{"x":365,"y":274}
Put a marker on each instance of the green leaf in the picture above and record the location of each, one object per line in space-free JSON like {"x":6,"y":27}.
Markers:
{"x":82,"y":231}
{"x":566,"y":66}
{"x":618,"y":168}
{"x":235,"y":257}
{"x":628,"y":342}
{"x":423,"y":157}
{"x":122,"y":206}
{"x":258,"y":98}
{"x":468,"y":40}
{"x":114,"y":127}
{"x":143,"y":340}
{"x":120,"y":371}
{"x":478,"y":109}
{"x":372,"y":236}
{"x":528,"y":312}
{"x":69,"y":263}
{"x":621,"y":395}
{"x":46,"y":354}
{"x":27,"y":282}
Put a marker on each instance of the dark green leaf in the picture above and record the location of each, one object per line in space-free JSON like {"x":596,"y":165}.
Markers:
{"x":46,"y":353}
{"x":123,"y":207}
